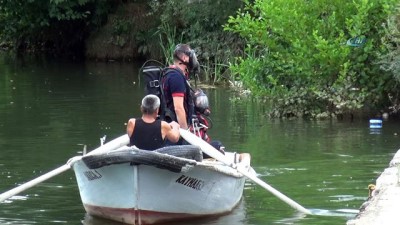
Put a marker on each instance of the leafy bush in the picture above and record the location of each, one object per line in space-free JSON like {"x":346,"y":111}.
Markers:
{"x":391,"y":40}
{"x":296,"y":53}
{"x":391,"y":60}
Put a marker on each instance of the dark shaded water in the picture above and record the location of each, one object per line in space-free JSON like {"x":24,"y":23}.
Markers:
{"x":48,"y":110}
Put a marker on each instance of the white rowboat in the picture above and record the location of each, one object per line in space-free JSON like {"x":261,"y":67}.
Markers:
{"x":125,"y":185}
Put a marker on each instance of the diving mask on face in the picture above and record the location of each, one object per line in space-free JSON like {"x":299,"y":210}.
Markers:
{"x":193,"y":65}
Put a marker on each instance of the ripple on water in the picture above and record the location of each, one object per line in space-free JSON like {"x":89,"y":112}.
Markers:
{"x":348,"y":213}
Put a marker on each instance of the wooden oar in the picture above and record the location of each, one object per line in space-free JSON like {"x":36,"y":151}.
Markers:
{"x":34,"y":182}
{"x":211,"y":151}
{"x":114,"y":144}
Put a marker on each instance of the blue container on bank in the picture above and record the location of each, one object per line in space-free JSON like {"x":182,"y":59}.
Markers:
{"x":375,"y":123}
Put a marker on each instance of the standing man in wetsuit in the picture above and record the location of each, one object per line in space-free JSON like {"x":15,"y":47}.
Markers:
{"x":177,"y":92}
{"x":147,"y":132}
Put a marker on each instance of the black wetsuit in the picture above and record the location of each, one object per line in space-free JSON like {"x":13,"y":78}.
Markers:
{"x":147,"y":136}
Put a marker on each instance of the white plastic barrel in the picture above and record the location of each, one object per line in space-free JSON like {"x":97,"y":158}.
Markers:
{"x":375,"y":123}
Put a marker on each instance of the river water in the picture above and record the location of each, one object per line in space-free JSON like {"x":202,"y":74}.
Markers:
{"x":49,"y":110}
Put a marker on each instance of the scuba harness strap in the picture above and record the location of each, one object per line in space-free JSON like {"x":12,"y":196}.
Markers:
{"x":155,"y":75}
{"x":188,"y":99}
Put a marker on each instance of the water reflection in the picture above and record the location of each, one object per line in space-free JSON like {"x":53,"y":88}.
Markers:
{"x":348,"y":213}
{"x":236,"y":217}
{"x":318,"y":213}
{"x":375,"y":131}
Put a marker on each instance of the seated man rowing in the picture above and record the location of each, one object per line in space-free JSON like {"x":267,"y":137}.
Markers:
{"x":147,"y":132}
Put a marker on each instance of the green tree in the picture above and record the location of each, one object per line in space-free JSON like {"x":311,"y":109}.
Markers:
{"x":199,"y":23}
{"x":391,"y":60}
{"x":39,"y":24}
{"x":297,"y":55}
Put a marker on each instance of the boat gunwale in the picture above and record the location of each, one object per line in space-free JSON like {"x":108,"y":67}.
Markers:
{"x":121,"y":143}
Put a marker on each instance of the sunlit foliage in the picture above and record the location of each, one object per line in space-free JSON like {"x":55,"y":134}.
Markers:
{"x":298,"y":54}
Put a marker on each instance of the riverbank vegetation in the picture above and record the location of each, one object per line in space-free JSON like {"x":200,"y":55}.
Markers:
{"x":316,"y":58}
{"x":306,"y":58}
{"x":56,"y":27}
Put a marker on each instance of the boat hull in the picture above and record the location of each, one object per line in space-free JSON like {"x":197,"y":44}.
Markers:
{"x":143,"y":194}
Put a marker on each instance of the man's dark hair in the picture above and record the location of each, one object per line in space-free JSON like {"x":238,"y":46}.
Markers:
{"x":181,"y":49}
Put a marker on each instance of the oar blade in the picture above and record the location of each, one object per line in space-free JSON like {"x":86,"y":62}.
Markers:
{"x":275,"y":192}
{"x":29,"y":184}
{"x":211,"y":151}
